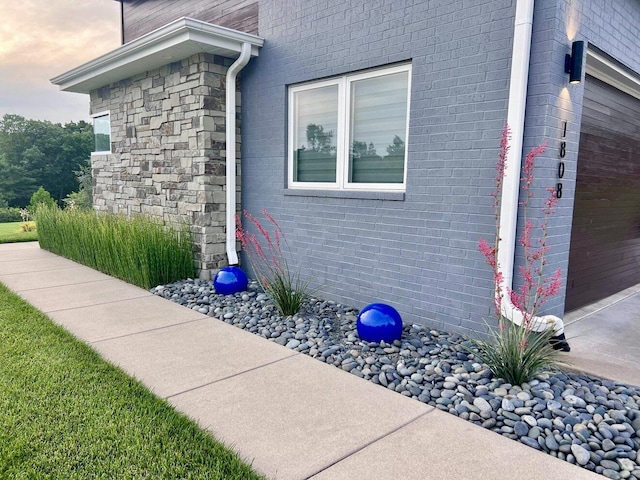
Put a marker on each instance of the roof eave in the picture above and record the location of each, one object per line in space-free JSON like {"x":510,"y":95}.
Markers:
{"x":170,"y":43}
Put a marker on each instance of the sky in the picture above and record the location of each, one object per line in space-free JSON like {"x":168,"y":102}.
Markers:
{"x":40,"y":39}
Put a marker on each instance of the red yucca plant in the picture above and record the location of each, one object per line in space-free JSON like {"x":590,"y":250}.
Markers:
{"x":268,"y":261}
{"x":518,"y":352}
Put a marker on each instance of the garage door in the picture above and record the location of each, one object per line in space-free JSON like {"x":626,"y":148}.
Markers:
{"x":605,"y":237}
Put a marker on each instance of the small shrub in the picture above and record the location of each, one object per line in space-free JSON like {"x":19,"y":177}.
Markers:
{"x":139,"y":250}
{"x":28,"y":227}
{"x":10,"y":215}
{"x":269,"y":263}
{"x":40,"y":197}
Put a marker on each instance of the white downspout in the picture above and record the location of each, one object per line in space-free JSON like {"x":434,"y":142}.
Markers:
{"x":511,"y":186}
{"x":232,"y":73}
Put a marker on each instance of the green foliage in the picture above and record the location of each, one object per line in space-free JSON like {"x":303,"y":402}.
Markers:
{"x":287,"y":291}
{"x":515,"y":353}
{"x":13,"y":232}
{"x":28,"y":227}
{"x":66,"y":413}
{"x":39,"y":198}
{"x":268,"y":260}
{"x":83,"y":198}
{"x":34,"y":153}
{"x":10,"y":214}
{"x":139,"y":250}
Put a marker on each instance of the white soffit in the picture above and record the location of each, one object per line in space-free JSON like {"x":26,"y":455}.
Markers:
{"x":611,"y":72}
{"x":171,"y":43}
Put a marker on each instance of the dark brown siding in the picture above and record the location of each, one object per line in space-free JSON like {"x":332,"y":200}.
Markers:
{"x":605,"y":236}
{"x":143,"y":16}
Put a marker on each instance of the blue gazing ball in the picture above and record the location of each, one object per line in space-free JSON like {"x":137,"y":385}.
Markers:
{"x":379,"y":321}
{"x":230,"y":280}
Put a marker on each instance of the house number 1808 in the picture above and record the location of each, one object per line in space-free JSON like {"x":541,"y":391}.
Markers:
{"x":563,"y":152}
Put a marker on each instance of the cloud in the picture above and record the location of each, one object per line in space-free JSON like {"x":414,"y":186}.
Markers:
{"x":41,"y":39}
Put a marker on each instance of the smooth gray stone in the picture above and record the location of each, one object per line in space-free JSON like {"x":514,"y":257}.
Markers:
{"x":484,"y":406}
{"x":577,"y":402}
{"x":551,"y":443}
{"x":534,"y":432}
{"x":293,"y":343}
{"x":610,"y":464}
{"x":521,"y":429}
{"x":612,"y":474}
{"x":530,"y":442}
{"x":581,"y":454}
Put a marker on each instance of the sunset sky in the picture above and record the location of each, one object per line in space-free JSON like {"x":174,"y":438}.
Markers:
{"x":40,"y":39}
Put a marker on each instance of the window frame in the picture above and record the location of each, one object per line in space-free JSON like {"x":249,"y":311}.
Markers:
{"x":106,"y":113}
{"x":345,"y":113}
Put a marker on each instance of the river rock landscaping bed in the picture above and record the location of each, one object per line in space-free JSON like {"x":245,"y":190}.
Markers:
{"x":584,"y":420}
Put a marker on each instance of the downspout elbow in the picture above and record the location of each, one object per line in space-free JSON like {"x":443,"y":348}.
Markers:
{"x":232,"y":73}
{"x":536,"y":323}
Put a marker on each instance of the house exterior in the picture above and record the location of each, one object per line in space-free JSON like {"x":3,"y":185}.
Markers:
{"x":371,"y":129}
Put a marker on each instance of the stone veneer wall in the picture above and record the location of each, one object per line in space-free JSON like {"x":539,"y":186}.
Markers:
{"x":168,"y":151}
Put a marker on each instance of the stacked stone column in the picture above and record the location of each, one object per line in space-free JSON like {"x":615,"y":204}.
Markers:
{"x":168,"y":155}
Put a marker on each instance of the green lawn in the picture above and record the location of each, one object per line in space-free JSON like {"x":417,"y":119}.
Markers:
{"x":67,"y":414}
{"x":10,"y":233}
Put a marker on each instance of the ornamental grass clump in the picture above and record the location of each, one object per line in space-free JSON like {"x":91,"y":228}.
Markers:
{"x":138,"y":250}
{"x":515,"y":352}
{"x":269,"y":264}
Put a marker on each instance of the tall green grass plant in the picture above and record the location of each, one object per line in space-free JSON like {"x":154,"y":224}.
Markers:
{"x":138,"y":250}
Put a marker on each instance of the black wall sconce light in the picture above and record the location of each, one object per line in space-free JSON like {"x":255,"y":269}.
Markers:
{"x":573,"y":62}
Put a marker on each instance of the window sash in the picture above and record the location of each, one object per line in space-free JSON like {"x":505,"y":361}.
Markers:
{"x":343,"y":135}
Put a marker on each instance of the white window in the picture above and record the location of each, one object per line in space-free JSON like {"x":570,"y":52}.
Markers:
{"x":350,"y":133}
{"x":102,"y":132}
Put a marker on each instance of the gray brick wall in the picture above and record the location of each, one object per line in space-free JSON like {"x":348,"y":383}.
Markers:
{"x":419,"y":253}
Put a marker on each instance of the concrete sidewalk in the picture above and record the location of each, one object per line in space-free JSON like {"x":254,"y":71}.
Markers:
{"x":289,"y":415}
{"x":605,"y":337}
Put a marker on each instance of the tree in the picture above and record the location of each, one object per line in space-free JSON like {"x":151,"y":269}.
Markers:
{"x":39,"y":198}
{"x":16,"y":183}
{"x":396,"y":148}
{"x":40,"y":153}
{"x":83,"y":198}
{"x":318,"y":139}
{"x":361,"y":149}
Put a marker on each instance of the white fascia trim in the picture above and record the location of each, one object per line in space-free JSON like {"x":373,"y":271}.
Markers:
{"x":182,"y":37}
{"x":602,"y":68}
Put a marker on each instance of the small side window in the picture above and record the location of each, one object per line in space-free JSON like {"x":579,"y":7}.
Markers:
{"x":102,"y":132}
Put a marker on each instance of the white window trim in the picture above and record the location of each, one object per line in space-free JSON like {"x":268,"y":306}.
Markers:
{"x":342,"y":135}
{"x":93,"y":117}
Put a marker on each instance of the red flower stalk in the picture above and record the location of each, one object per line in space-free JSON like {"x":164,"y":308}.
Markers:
{"x":266,"y":256}
{"x":535,"y":288}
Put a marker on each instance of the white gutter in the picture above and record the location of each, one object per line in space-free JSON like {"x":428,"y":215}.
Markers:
{"x":511,"y":185}
{"x":232,"y":73}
